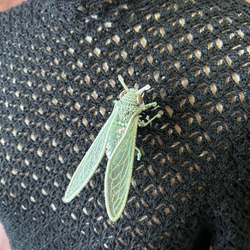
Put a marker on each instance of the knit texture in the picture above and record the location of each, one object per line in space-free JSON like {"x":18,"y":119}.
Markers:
{"x":59,"y":67}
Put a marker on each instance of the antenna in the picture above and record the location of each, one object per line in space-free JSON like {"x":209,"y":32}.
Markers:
{"x":122,"y":82}
{"x":140,"y":91}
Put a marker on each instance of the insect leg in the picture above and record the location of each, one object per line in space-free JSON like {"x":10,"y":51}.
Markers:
{"x":149,"y":105}
{"x":138,"y":153}
{"x":144,"y":124}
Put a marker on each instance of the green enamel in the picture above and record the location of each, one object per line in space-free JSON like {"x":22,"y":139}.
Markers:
{"x":117,"y":137}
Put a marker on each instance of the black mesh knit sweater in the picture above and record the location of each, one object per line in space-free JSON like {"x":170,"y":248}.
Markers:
{"x":59,"y":62}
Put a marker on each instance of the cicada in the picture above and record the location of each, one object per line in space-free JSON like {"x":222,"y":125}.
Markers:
{"x":117,"y":137}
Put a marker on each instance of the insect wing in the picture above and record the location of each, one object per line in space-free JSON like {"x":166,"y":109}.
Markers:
{"x":90,"y":161}
{"x":119,"y":171}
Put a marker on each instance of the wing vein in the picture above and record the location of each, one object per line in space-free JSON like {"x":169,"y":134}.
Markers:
{"x":119,"y":171}
{"x":90,"y":161}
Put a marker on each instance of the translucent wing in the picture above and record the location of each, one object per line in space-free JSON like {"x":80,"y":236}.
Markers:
{"x":90,"y":161}
{"x":119,"y":171}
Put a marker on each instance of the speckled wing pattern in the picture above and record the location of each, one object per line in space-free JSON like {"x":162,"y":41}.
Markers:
{"x":91,"y":160}
{"x":119,"y":171}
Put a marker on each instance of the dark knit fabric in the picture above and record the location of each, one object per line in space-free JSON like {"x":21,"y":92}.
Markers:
{"x":59,"y":67}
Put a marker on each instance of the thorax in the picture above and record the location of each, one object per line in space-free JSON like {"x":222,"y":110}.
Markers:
{"x":119,"y":125}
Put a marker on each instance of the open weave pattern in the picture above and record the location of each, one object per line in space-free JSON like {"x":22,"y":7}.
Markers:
{"x":59,"y":62}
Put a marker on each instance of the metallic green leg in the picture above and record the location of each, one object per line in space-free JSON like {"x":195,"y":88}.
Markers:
{"x":152,"y":104}
{"x":138,"y":153}
{"x":143,"y":124}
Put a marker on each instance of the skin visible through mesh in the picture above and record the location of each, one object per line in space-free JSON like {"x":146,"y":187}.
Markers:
{"x":216,"y":127}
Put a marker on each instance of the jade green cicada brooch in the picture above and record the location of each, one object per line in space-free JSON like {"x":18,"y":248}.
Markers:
{"x":117,"y":137}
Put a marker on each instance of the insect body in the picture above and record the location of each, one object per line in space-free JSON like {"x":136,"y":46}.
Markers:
{"x":117,"y":138}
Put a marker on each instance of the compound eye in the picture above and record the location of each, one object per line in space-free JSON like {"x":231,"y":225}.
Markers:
{"x":122,"y":94}
{"x":139,"y":99}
